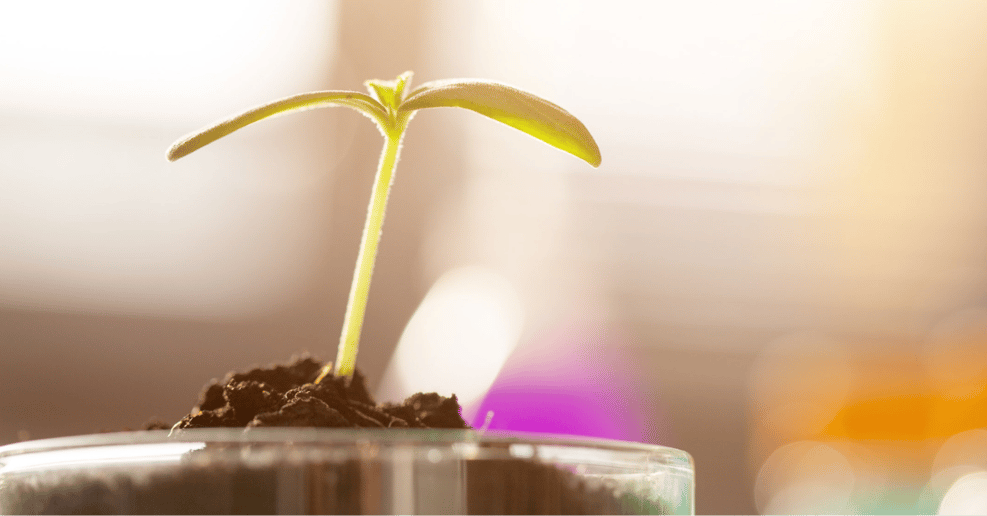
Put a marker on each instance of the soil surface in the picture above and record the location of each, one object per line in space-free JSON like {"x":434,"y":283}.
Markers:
{"x":285,"y":395}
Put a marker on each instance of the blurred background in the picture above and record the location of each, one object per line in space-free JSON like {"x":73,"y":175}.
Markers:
{"x":779,"y":267}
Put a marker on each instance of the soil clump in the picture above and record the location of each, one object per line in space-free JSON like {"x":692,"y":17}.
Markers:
{"x":286,"y":395}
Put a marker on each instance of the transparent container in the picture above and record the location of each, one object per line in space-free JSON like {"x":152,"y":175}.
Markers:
{"x":327,"y":471}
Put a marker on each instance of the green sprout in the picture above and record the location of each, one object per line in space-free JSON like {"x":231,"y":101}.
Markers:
{"x":391,"y":109}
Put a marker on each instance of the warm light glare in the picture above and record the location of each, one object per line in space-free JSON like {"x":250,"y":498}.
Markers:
{"x":93,"y":218}
{"x":457,"y":340}
{"x":155,"y":60}
{"x":968,"y":495}
{"x":103,"y":455}
{"x":704,"y":87}
{"x":805,"y":477}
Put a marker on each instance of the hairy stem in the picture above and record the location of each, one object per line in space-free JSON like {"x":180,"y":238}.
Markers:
{"x":356,"y":307}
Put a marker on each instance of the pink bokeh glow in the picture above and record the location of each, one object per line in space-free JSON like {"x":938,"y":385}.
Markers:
{"x":577,"y":380}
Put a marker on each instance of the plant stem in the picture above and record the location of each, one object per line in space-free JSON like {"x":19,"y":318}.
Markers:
{"x":356,"y":307}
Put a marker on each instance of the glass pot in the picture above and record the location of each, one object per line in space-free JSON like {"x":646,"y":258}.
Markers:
{"x":327,"y":471}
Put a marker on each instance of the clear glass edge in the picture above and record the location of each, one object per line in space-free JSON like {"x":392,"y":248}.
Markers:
{"x":657,"y":454}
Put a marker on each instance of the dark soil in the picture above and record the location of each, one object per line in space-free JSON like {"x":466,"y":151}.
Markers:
{"x":285,"y":395}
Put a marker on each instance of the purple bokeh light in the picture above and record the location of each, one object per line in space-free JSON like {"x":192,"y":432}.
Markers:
{"x":576,"y":380}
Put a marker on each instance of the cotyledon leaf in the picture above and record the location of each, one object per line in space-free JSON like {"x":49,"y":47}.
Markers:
{"x":516,"y":108}
{"x":313,"y":100}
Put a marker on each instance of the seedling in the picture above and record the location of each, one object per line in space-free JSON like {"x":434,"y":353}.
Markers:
{"x":391,"y":109}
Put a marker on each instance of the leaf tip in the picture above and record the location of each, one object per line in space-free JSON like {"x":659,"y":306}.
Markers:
{"x":590,"y":152}
{"x":178,"y":150}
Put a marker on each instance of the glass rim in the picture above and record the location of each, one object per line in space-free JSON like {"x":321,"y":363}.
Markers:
{"x":670,"y":457}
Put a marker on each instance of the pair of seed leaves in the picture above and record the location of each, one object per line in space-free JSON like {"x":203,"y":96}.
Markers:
{"x":391,"y":109}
